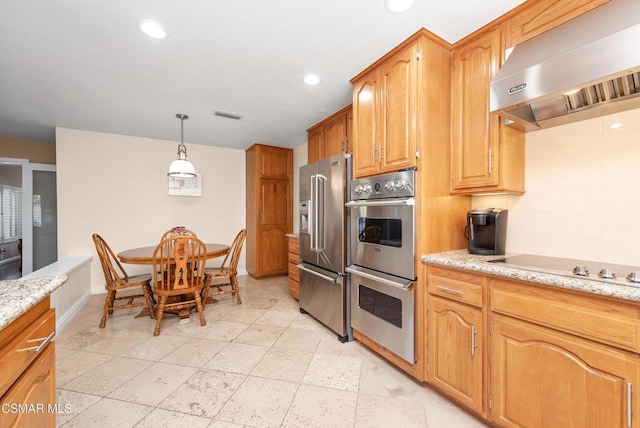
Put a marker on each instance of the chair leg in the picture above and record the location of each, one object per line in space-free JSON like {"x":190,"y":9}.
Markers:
{"x":108,"y":303}
{"x":205,"y":291}
{"x":236,"y":289}
{"x":159,"y":314}
{"x":112,"y":301}
{"x":148,"y":297}
{"x":200,"y":308}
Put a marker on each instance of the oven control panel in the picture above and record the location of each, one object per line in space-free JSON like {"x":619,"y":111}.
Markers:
{"x":394,"y":185}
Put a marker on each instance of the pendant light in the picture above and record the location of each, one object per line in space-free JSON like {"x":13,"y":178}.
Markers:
{"x":181,"y":167}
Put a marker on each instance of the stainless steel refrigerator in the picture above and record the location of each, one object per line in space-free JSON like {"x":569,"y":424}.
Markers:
{"x":324,"y":285}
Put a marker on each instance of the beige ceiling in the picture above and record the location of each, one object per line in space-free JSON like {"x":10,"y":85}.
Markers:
{"x":83,"y":64}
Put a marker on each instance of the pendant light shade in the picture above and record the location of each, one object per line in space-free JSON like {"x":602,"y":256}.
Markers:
{"x":181,"y":167}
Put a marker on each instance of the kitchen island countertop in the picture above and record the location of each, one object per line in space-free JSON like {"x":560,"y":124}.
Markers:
{"x":461,"y":259}
{"x":19,"y":295}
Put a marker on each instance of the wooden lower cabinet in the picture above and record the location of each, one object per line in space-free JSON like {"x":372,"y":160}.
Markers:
{"x":522,"y":354}
{"x":544,"y":378}
{"x":456,"y":334}
{"x":27,"y":369}
{"x":30,"y":401}
{"x":294,"y":272}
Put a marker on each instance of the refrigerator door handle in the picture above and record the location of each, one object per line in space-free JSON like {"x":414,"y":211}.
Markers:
{"x":312,"y":214}
{"x":321,"y":181}
{"x":313,"y":272}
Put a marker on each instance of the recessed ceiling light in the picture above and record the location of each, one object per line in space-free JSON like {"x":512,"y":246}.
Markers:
{"x":152,"y":29}
{"x":311,"y":79}
{"x":397,"y":6}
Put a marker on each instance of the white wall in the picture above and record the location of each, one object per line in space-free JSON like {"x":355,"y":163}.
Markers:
{"x":116,"y":186}
{"x":582,"y":198}
{"x":299,"y":159}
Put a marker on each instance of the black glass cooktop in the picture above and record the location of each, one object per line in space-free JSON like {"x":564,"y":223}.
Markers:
{"x":628,"y":275}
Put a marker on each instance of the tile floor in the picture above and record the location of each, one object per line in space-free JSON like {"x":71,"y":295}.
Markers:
{"x":259,"y":364}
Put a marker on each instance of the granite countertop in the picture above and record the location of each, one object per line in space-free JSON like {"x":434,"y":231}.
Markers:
{"x":293,"y":235}
{"x":19,"y":295}
{"x":463,"y":260}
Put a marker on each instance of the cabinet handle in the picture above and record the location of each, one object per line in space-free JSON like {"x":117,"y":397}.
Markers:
{"x":473,"y":340}
{"x":45,"y":342}
{"x":490,"y":161}
{"x":629,"y":394}
{"x":449,"y":290}
{"x":381,"y":153}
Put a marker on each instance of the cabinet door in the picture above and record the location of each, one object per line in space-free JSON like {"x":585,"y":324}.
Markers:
{"x":475,"y":135}
{"x":365,"y":135}
{"x":543,"y":378}
{"x":455,"y":350}
{"x":35,"y":389}
{"x":274,"y":162}
{"x":398,"y":110}
{"x":335,"y":135}
{"x":314,"y":145}
{"x":275,"y":218}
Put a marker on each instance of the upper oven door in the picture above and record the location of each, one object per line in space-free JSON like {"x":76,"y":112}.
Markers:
{"x":382,"y":235}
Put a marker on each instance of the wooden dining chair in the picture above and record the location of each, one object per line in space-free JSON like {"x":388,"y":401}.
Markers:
{"x":178,"y":266}
{"x":117,"y":279}
{"x":227,"y":272}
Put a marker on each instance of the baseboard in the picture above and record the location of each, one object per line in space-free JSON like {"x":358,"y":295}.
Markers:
{"x":72,"y":311}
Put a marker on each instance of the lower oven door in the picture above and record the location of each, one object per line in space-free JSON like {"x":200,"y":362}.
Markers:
{"x":382,"y":308}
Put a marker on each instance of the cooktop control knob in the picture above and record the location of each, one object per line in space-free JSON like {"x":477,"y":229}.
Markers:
{"x":389,"y":186}
{"x":581,"y":270}
{"x":634,"y":277}
{"x":366,"y":188}
{"x":358,"y":189}
{"x":401,"y":184}
{"x":606,"y":273}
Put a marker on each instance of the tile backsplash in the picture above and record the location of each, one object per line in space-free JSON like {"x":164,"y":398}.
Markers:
{"x":582,"y":198}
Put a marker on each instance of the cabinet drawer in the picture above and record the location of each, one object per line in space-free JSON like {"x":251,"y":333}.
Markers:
{"x":294,"y":258}
{"x":294,"y":289}
{"x":294,"y":246}
{"x":605,"y":320}
{"x":456,"y":285}
{"x":16,"y":357}
{"x":294,"y":272}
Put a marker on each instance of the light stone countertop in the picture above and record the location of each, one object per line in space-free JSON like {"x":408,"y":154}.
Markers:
{"x":19,"y":295}
{"x":463,"y":260}
{"x":293,"y":235}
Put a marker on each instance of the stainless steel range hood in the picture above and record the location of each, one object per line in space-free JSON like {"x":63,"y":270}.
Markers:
{"x":586,"y":67}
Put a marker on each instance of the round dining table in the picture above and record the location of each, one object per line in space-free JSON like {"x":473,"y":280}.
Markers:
{"x":144,"y":256}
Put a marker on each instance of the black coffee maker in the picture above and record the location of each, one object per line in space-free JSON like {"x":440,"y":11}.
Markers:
{"x":486,"y":231}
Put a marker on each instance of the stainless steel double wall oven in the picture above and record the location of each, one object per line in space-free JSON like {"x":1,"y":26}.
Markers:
{"x":382,"y":270}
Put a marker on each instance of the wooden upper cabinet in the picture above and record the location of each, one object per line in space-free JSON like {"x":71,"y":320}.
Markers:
{"x":543,"y":15}
{"x":365,"y":140}
{"x":314,"y":144}
{"x":335,"y":135}
{"x":486,"y":155}
{"x":384,"y":114}
{"x":331,"y":136}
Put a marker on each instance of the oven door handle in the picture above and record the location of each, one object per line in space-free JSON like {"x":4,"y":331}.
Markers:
{"x":313,"y":272}
{"x":381,"y":203}
{"x":379,"y":279}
